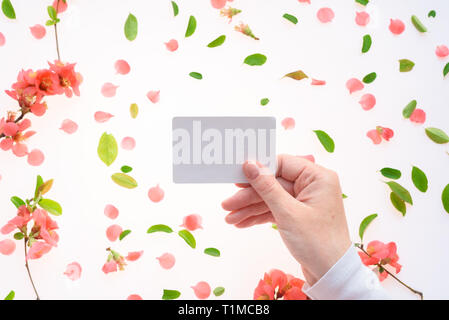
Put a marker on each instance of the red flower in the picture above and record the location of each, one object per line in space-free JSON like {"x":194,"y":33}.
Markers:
{"x":383,"y":254}
{"x":276,"y":285}
{"x":15,"y":135}
{"x":47,"y":83}
{"x":68,"y":78}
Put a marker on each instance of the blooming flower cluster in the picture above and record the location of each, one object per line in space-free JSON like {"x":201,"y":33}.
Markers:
{"x":380,"y":254}
{"x":277,"y":285}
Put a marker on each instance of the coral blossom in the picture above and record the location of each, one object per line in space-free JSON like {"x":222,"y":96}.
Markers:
{"x":277,"y":285}
{"x":379,"y":253}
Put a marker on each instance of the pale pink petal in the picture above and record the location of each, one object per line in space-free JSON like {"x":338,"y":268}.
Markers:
{"x":442,"y":51}
{"x":108,"y":90}
{"x":134,"y":297}
{"x":172,"y":45}
{"x":101,"y":116}
{"x":354,"y":85}
{"x":325,"y":15}
{"x":111,"y":212}
{"x":202,"y":290}
{"x":368,"y":101}
{"x":167,"y":260}
{"x":69,"y":126}
{"x":304,"y":1}
{"x":192,"y":222}
{"x":38,"y":31}
{"x":38,"y":249}
{"x":2,"y":40}
{"x":396,"y":26}
{"x":153,"y":96}
{"x":113,"y":232}
{"x":374,"y":136}
{"x":362,"y":18}
{"x":418,"y":116}
{"x":122,"y":67}
{"x":7,"y":247}
{"x":128,"y":143}
{"x":110,"y":266}
{"x":61,"y":7}
{"x":6,"y":144}
{"x":218,"y":4}
{"x":73,"y":271}
{"x":133,"y":256}
{"x":36,"y":158}
{"x":10,"y":129}
{"x":20,"y":150}
{"x":156,"y":194}
{"x":288,"y":123}
{"x":316,"y":82}
{"x":24,"y":124}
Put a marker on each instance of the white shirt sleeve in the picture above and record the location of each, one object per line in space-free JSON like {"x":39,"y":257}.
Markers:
{"x":348,"y":279}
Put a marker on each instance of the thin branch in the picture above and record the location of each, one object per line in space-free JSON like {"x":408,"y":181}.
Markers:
{"x":28,"y":269}
{"x":56,"y":32}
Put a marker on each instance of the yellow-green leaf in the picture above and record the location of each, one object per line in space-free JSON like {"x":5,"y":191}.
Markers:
{"x":175,"y":8}
{"x":217,"y":42}
{"x":8,"y":9}
{"x":43,"y":189}
{"x":445,"y":198}
{"x":218,"y":291}
{"x":10,"y":295}
{"x":124,"y":180}
{"x":366,"y":43}
{"x":391,"y":173}
{"x":398,"y":203}
{"x":212,"y":252}
{"x":418,"y":24}
{"x":290,"y":18}
{"x":160,"y":228}
{"x":170,"y":294}
{"x":188,"y":238}
{"x":191,"y":27}
{"x":400,"y":191}
{"x":124,"y":234}
{"x":131,"y":27}
{"x":107,"y":149}
{"x":325,"y":140}
{"x":365,"y":223}
{"x":256,"y":59}
{"x":437,"y":135}
{"x":406,"y":65}
{"x":134,"y":110}
{"x":297,"y":75}
{"x":409,"y":108}
{"x":51,"y":206}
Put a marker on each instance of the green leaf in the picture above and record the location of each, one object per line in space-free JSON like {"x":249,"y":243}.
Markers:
{"x":191,"y":27}
{"x":290,"y":18}
{"x":51,"y":206}
{"x":256,"y":59}
{"x":8,"y":9}
{"x":160,"y":228}
{"x":39,"y":183}
{"x":10,"y":295}
{"x":362,"y":2}
{"x":196,"y":75}
{"x":274,"y":226}
{"x":50,"y":23}
{"x":17,"y":202}
{"x":366,"y":43}
{"x":344,"y":196}
{"x":175,"y":8}
{"x":370,"y":77}
{"x":419,"y":179}
{"x":131,"y":27}
{"x":218,"y":291}
{"x":446,"y":69}
{"x":170,"y":294}
{"x":437,"y":135}
{"x":297,"y":75}
{"x":418,"y":24}
{"x":398,"y":203}
{"x":365,"y":223}
{"x":124,"y":234}
{"x":188,"y":238}
{"x":217,"y":42}
{"x":432,"y":14}
{"x":18,"y":236}
{"x":406,"y":65}
{"x":134,"y":110}
{"x":325,"y":140}
{"x":400,"y":191}
{"x":107,"y":149}
{"x":124,"y":180}
{"x":391,"y":173}
{"x":445,"y":198}
{"x":52,"y":13}
{"x":264,"y":101}
{"x":409,"y":108}
{"x":126,"y":169}
{"x":212,"y":252}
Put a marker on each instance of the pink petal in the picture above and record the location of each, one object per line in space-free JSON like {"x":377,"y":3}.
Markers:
{"x":387,"y":133}
{"x":218,"y":4}
{"x":7,"y":247}
{"x":362,"y":18}
{"x":61,"y":7}
{"x":396,"y":26}
{"x":153,"y":96}
{"x":68,"y":126}
{"x":111,"y":212}
{"x":2,"y":40}
{"x":354,"y":85}
{"x":167,"y":260}
{"x":288,"y":123}
{"x":133,"y":256}
{"x":156,"y":194}
{"x":101,"y":116}
{"x":108,"y":90}
{"x":325,"y":15}
{"x":6,"y":144}
{"x":134,"y":297}
{"x":38,"y":31}
{"x":20,"y":150}
{"x":202,"y":290}
{"x":38,"y":249}
{"x":318,"y":82}
{"x":304,"y":1}
{"x":110,"y":266}
{"x":36,"y":158}
{"x":113,"y":232}
{"x":172,"y":45}
{"x":128,"y":143}
{"x":192,"y":222}
{"x":442,"y":51}
{"x":10,"y":129}
{"x":73,"y":271}
{"x":374,"y":136}
{"x":122,"y":67}
{"x":24,"y":124}
{"x":418,"y":116}
{"x":368,"y":101}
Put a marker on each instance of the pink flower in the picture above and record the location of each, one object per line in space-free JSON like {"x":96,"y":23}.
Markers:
{"x":20,"y":221}
{"x":110,"y":266}
{"x":383,"y":254}
{"x":128,"y":143}
{"x":133,"y":256}
{"x":368,"y":101}
{"x":316,"y":82}
{"x":38,"y":249}
{"x":44,"y":227}
{"x":15,"y":135}
{"x":288,"y":123}
{"x":69,"y":126}
{"x":47,"y":83}
{"x":246,"y":30}
{"x":35,"y":158}
{"x":277,"y":285}
{"x":218,"y":4}
{"x":68,"y":78}
{"x":2,"y":40}
{"x":73,"y":271}
{"x":101,"y":116}
{"x":379,"y":133}
{"x":111,"y":212}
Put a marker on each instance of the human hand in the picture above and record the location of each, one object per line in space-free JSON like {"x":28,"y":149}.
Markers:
{"x":305,"y":201}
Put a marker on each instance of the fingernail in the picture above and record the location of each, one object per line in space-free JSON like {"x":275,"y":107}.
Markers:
{"x":251,"y":170}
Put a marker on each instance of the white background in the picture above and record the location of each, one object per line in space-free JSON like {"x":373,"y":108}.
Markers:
{"x":91,"y":34}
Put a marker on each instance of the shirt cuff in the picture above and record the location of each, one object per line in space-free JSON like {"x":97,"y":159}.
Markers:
{"x":348,"y":279}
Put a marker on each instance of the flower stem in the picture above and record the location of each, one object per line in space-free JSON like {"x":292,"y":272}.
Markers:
{"x":28,"y":269}
{"x":56,"y":33}
{"x":360,"y":246}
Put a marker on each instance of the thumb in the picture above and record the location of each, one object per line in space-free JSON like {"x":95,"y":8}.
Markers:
{"x":268,"y":188}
